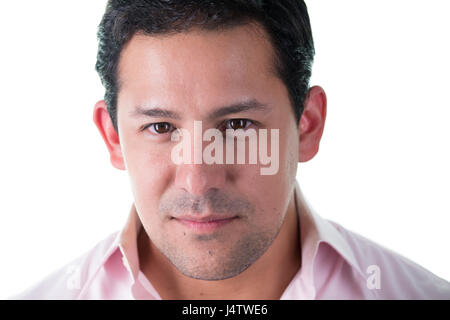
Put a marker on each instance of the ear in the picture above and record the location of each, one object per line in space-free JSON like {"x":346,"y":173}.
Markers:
{"x":312,"y":123}
{"x":110,"y":136}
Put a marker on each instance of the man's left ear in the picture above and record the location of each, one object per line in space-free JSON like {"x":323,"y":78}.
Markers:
{"x":110,"y":136}
{"x":312,"y":123}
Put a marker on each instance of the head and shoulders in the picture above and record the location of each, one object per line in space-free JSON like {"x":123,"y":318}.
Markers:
{"x":167,"y":65}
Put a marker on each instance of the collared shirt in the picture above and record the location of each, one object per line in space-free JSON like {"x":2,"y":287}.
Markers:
{"x":336,"y":264}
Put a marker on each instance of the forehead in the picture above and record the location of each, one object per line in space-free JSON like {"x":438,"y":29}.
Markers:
{"x":195,"y":64}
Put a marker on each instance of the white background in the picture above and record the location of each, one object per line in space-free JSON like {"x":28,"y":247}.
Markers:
{"x":382,"y":169}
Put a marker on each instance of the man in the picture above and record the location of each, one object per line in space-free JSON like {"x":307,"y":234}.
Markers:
{"x":218,"y":229}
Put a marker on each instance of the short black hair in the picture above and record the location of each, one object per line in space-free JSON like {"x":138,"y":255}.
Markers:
{"x":285,"y":21}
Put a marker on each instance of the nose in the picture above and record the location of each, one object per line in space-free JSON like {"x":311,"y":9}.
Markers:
{"x":197,"y":179}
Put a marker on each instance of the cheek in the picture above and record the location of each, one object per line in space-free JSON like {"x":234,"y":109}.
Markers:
{"x":148,"y":171}
{"x":273,"y":191}
{"x":289,"y":153}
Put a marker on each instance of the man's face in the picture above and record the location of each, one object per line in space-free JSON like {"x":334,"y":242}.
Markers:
{"x":193,"y":74}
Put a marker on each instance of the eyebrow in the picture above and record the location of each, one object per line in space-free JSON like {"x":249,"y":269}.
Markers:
{"x":157,"y":112}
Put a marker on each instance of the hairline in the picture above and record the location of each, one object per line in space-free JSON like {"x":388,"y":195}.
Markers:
{"x":251,"y":24}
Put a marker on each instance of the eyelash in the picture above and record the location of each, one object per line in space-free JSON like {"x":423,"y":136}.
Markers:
{"x":173,"y":128}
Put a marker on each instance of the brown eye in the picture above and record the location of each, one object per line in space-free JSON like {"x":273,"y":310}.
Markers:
{"x":236,"y":124}
{"x":160,"y":127}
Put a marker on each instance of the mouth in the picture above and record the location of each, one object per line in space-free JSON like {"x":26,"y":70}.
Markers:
{"x":204,"y":224}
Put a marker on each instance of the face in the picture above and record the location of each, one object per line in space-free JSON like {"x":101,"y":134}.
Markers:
{"x":192,"y":75}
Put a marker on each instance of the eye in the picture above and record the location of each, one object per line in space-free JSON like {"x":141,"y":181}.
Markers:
{"x":160,"y":128}
{"x":236,"y":124}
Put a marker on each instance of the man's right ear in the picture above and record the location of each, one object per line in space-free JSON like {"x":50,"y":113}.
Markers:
{"x":110,"y":136}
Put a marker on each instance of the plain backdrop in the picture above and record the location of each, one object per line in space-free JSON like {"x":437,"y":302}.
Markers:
{"x":382,"y":169}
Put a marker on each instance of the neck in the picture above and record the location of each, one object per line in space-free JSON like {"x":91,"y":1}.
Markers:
{"x":267,"y":278}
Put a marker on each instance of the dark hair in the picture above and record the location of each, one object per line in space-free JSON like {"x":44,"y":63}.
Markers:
{"x":285,"y":21}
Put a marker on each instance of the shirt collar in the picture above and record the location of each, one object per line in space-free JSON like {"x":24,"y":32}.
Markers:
{"x":128,"y":238}
{"x":313,"y":231}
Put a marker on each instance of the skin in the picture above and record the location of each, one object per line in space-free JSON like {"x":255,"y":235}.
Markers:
{"x":257,"y":254}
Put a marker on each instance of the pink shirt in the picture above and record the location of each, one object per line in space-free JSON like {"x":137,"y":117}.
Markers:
{"x":336,"y":264}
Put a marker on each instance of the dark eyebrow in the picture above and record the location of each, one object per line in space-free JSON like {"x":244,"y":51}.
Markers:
{"x":250,"y":105}
{"x":155,"y":113}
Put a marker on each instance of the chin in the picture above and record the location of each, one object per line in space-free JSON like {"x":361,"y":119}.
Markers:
{"x":210,"y":268}
{"x":211,"y":274}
